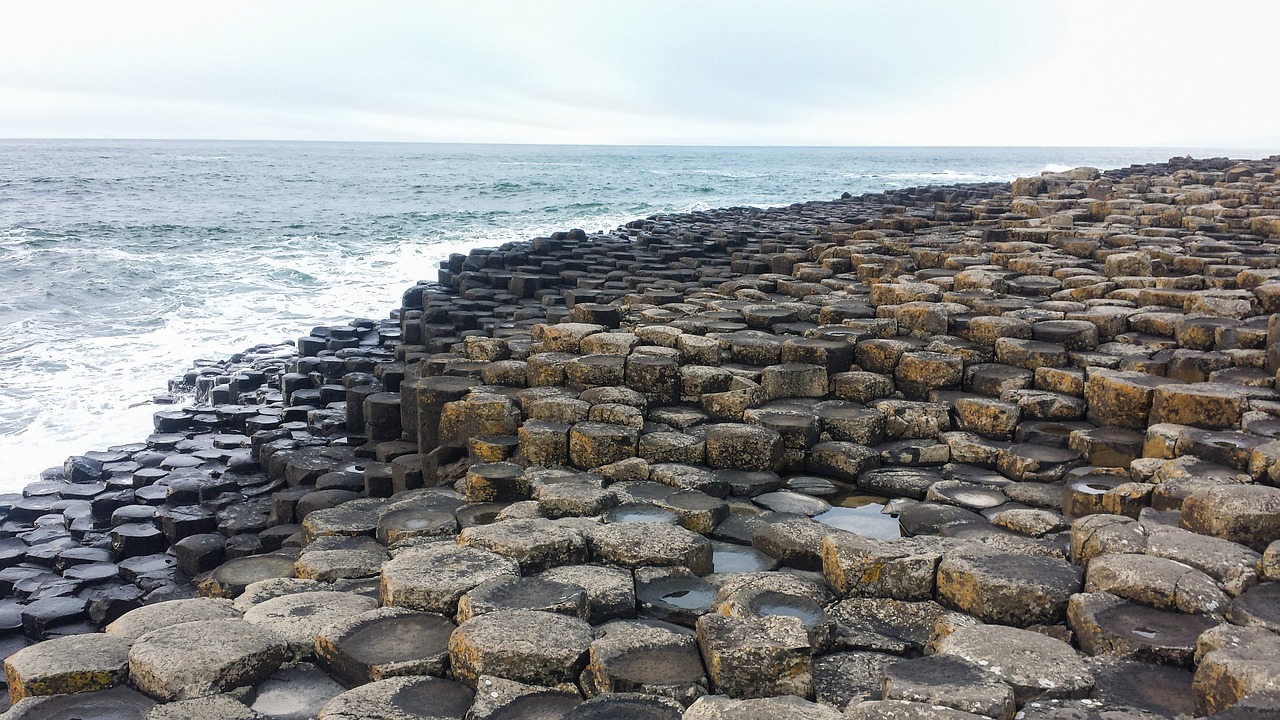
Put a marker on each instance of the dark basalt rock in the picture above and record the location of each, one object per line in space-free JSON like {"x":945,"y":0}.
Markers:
{"x":988,"y":363}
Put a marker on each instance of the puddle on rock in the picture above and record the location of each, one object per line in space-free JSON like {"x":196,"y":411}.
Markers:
{"x":638,"y":512}
{"x":776,"y":603}
{"x":862,"y":515}
{"x":689,"y":598}
{"x":728,"y":558}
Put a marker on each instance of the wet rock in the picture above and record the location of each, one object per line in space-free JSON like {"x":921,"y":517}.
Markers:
{"x":397,"y":525}
{"x":1036,"y":463}
{"x":295,"y":693}
{"x":115,"y":703}
{"x":626,"y":705}
{"x":645,"y":657}
{"x":512,"y":593}
{"x":673,"y":595}
{"x":1106,"y":624}
{"x":230,"y":578}
{"x":402,"y":698}
{"x":383,"y":643}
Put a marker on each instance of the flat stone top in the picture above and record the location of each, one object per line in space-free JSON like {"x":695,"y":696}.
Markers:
{"x":300,"y":617}
{"x":117,"y":703}
{"x":136,"y":623}
{"x":199,"y":658}
{"x":222,"y":707}
{"x":1034,"y":664}
{"x":444,"y":562}
{"x":73,"y":655}
{"x":407,"y":698}
{"x":548,"y":632}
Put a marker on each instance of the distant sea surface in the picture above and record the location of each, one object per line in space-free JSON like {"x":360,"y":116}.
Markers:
{"x":121,"y":262}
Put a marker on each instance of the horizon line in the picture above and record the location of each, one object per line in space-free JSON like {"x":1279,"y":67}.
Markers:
{"x":642,"y":145}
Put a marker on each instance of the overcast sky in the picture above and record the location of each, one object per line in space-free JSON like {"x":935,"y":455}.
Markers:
{"x":793,"y":72}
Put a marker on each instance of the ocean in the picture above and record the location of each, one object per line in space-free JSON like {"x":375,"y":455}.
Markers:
{"x":122,"y":262}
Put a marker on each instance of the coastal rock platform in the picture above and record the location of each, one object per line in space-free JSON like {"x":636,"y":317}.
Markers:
{"x":941,"y":452}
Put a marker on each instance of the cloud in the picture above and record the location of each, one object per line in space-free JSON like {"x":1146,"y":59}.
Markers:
{"x":704,"y":72}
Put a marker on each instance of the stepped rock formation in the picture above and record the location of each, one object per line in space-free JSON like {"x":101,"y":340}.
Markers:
{"x":942,"y":452}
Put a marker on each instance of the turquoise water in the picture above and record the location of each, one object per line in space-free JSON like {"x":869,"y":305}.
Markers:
{"x":123,"y":261}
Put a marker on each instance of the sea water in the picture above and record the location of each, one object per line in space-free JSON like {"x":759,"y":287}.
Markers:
{"x":121,"y":262}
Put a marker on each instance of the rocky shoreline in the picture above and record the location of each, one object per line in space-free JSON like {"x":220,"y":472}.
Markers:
{"x":941,"y":452}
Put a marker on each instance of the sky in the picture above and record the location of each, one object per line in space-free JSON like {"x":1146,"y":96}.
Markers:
{"x":693,"y":72}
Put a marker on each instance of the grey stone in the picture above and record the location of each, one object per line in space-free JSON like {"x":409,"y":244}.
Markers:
{"x":1105,"y":624}
{"x":136,"y":623}
{"x":384,"y":643}
{"x":402,"y":698}
{"x":1008,"y":588}
{"x":756,"y":657}
{"x":524,"y":645}
{"x":951,"y":682}
{"x":295,"y":693}
{"x":299,"y":618}
{"x":1155,"y":581}
{"x":117,"y":703}
{"x":223,"y":707}
{"x":434,"y":577}
{"x":718,"y":707}
{"x":658,"y":544}
{"x":645,"y":657}
{"x":204,"y":657}
{"x":536,"y":544}
{"x":71,"y":664}
{"x":1036,"y":665}
{"x":611,"y":592}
